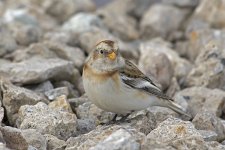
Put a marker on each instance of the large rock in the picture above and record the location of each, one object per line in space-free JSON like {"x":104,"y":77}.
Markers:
{"x":74,"y":54}
{"x":22,"y":139}
{"x":13,"y":97}
{"x":207,"y":121}
{"x":34,"y":50}
{"x":72,"y":89}
{"x":158,"y":45}
{"x":142,"y":122}
{"x":26,"y":34}
{"x":103,"y":134}
{"x":30,"y":16}
{"x":197,"y":98}
{"x":155,"y":20}
{"x":47,"y":120}
{"x":120,"y":139}
{"x":162,"y":113}
{"x":7,"y":42}
{"x":209,"y":69}
{"x":182,"y":3}
{"x":137,"y":8}
{"x":54,"y":93}
{"x":158,"y":65}
{"x":208,"y":135}
{"x":92,"y":112}
{"x":176,"y":133}
{"x":53,"y":143}
{"x":36,"y":70}
{"x":121,"y":25}
{"x":173,"y":129}
{"x":82,"y":22}
{"x":215,"y":17}
{"x":42,"y":87}
{"x":62,"y":10}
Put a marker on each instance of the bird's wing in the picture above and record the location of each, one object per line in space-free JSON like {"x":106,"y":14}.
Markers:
{"x":134,"y":78}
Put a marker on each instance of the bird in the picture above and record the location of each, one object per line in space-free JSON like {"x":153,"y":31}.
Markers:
{"x":115,"y":84}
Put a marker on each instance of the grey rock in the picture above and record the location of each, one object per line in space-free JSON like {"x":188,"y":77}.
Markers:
{"x":90,"y":111}
{"x":181,"y":47}
{"x":208,"y":135}
{"x":154,"y":145}
{"x":4,"y":62}
{"x":181,"y":66}
{"x":75,"y":102}
{"x":82,"y":22}
{"x":54,"y":93}
{"x":182,"y":3}
{"x":173,"y":129}
{"x":7,"y":42}
{"x":216,"y":17}
{"x":162,"y":113}
{"x":85,"y":126}
{"x":173,"y":88}
{"x":19,"y":15}
{"x":53,"y":143}
{"x":3,"y":147}
{"x":59,"y":36}
{"x":34,"y":50}
{"x":2,"y":113}
{"x":155,"y":20}
{"x":199,"y":35}
{"x":37,"y":70}
{"x":73,"y":92}
{"x":209,"y":70}
{"x":121,"y":25}
{"x":207,"y":121}
{"x":57,"y":9}
{"x":79,"y":85}
{"x":177,"y":134}
{"x":121,"y":139}
{"x":137,"y":8}
{"x":158,"y":65}
{"x":194,"y":142}
{"x":43,"y":87}
{"x":98,"y":135}
{"x":21,"y":139}
{"x":215,"y":145}
{"x":142,"y":121}
{"x":58,"y":123}
{"x":26,"y":34}
{"x":29,"y":16}
{"x":197,"y":98}
{"x":14,"y":97}
{"x":76,"y":55}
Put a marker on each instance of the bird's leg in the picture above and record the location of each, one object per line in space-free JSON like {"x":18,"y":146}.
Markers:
{"x":124,"y":117}
{"x":114,"y":118}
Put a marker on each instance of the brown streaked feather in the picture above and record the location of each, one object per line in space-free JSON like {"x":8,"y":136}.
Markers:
{"x":131,"y":71}
{"x":108,"y":42}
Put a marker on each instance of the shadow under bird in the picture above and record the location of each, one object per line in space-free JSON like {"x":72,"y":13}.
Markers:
{"x":116,"y":85}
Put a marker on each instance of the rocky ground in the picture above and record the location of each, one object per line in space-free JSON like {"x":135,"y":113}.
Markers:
{"x":43,"y":45}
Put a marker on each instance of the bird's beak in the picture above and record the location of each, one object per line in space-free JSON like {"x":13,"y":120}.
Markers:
{"x":112,"y":55}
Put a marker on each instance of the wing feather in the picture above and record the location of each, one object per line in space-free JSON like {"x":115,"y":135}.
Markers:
{"x":134,"y":78}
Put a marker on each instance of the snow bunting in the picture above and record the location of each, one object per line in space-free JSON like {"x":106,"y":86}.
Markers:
{"x":117,"y":85}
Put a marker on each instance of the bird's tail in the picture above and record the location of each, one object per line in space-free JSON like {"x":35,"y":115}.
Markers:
{"x":177,"y":108}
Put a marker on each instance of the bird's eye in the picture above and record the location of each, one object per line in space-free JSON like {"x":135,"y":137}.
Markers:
{"x":101,"y":51}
